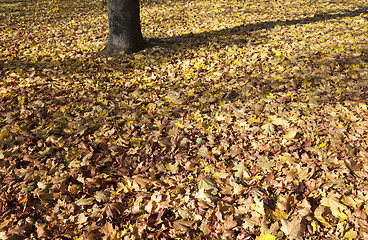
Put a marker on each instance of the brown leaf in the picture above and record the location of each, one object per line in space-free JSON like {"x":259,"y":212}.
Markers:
{"x":361,"y":219}
{"x":40,"y":229}
{"x":182,"y":224}
{"x":113,"y":210}
{"x":335,"y":205}
{"x":109,"y":231}
{"x":292,"y":229}
{"x":230,"y":224}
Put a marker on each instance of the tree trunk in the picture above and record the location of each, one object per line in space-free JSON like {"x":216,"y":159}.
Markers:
{"x":124,"y":27}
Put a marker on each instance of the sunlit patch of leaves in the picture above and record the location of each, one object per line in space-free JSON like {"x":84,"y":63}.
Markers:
{"x":248,"y":120}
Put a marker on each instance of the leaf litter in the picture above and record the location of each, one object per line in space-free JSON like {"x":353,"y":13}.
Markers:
{"x":248,"y":120}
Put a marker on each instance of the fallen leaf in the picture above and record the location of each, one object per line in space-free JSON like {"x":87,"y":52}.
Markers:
{"x":265,"y":237}
{"x":292,"y":229}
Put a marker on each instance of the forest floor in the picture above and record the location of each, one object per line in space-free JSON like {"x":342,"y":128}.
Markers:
{"x":249,"y":122}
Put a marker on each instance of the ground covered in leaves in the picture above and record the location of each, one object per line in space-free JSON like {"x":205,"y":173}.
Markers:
{"x":248,"y":121}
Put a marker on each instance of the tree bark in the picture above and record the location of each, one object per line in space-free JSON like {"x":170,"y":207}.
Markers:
{"x":124,"y":27}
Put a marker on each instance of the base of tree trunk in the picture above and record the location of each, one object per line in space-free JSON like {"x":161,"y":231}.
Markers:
{"x":112,"y":50}
{"x":149,"y":42}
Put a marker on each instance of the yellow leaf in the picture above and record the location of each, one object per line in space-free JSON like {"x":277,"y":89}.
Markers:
{"x":343,"y":216}
{"x":254,"y":75}
{"x":53,"y":10}
{"x":3,"y":134}
{"x":206,"y":125}
{"x":277,"y":52}
{"x":279,"y":214}
{"x":351,"y":234}
{"x":254,"y":119}
{"x":265,"y":237}
{"x":17,"y":127}
{"x":206,"y":170}
{"x":323,"y":144}
{"x":322,"y":220}
{"x":221,"y":103}
{"x":24,"y":201}
{"x":315,"y":226}
{"x":179,"y":125}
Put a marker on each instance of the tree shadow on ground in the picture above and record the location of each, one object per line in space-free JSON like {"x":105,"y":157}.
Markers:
{"x":249,"y":34}
{"x":197,"y":39}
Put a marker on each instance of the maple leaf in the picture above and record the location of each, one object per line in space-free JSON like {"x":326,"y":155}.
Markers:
{"x":101,"y":196}
{"x":258,"y":206}
{"x":278,"y":214}
{"x":334,"y":204}
{"x":292,"y":229}
{"x":241,"y":171}
{"x":113,"y":210}
{"x":109,"y":231}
